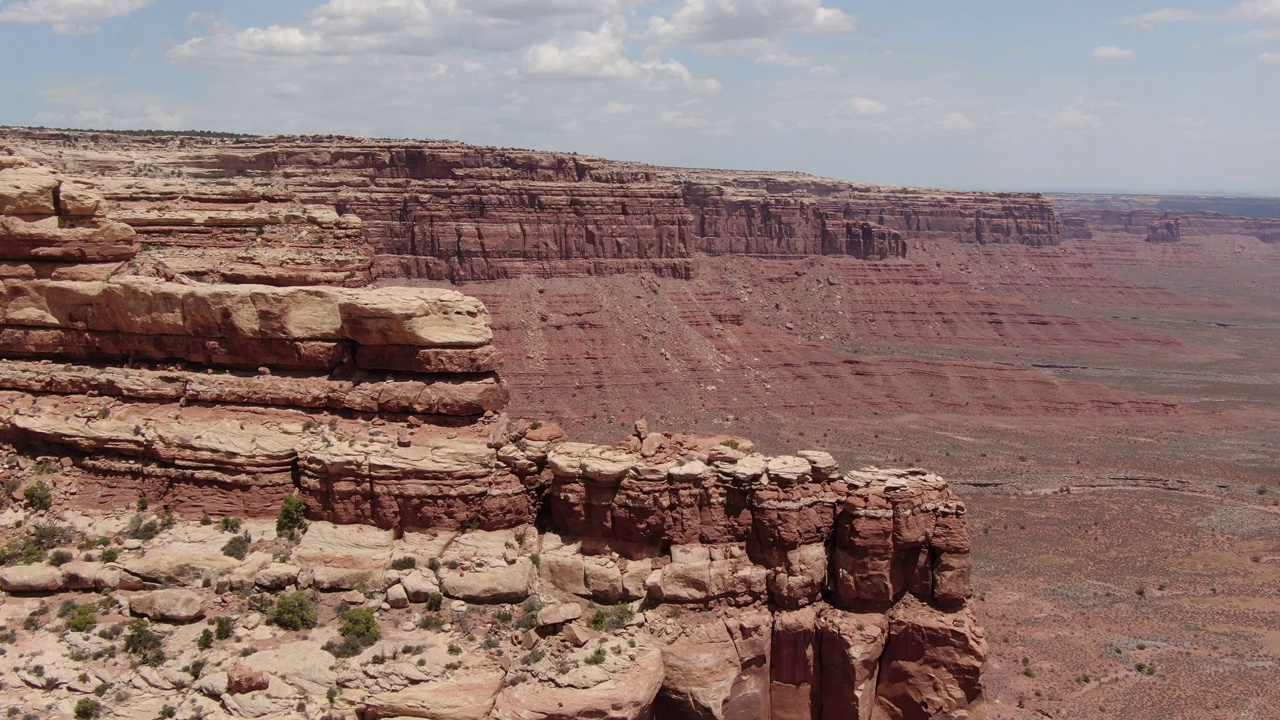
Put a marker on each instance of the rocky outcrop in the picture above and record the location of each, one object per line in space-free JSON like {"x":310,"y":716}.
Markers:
{"x":447,"y":211}
{"x":48,"y":222}
{"x":1164,"y":231}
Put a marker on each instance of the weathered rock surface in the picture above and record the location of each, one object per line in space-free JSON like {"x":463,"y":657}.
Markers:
{"x":448,"y":211}
{"x":171,"y":605}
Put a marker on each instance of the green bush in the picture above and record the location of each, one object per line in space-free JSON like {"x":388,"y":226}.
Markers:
{"x":360,"y":624}
{"x":293,"y":515}
{"x":60,"y":557}
{"x":434,"y":601}
{"x":82,"y":618}
{"x":110,"y":555}
{"x":615,"y":618}
{"x":405,"y":562}
{"x":222,"y":627}
{"x":237,"y":547}
{"x":205,"y":641}
{"x":230,"y":524}
{"x":294,"y":611}
{"x":24,"y":553}
{"x":87,"y":709}
{"x":144,"y":643}
{"x":37,"y":496}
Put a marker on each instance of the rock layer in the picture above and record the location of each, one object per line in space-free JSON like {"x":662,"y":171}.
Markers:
{"x":442,"y":210}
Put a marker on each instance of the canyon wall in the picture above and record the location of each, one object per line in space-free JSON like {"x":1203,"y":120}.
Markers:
{"x":1167,"y":219}
{"x":129,"y":380}
{"x":336,"y":210}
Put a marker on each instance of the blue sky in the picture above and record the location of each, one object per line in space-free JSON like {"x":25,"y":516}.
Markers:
{"x":1075,"y":95}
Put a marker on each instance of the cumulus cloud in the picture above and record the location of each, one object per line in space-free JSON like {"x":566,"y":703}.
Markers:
{"x":1111,"y":52}
{"x":956,"y":121}
{"x":1269,"y":58}
{"x":69,"y":17}
{"x":862,"y":106}
{"x":690,"y":121}
{"x":753,"y":28}
{"x":823,"y":71}
{"x":599,"y":54}
{"x":1151,"y":20}
{"x":1258,"y":10}
{"x":1079,"y":115}
{"x":613,"y":107}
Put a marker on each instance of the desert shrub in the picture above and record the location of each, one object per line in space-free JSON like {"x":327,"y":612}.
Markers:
{"x":139,"y":528}
{"x":37,"y":495}
{"x":294,"y":611}
{"x":82,"y":618}
{"x":292,"y":517}
{"x":222,"y":627}
{"x":205,"y":641}
{"x":230,"y":524}
{"x":434,"y":601}
{"x":361,"y":624}
{"x":533,"y":657}
{"x":110,"y":555}
{"x":615,"y":618}
{"x":237,"y":547}
{"x":405,"y":562}
{"x":87,"y":709}
{"x":168,"y":711}
{"x":730,"y":443}
{"x":143,"y":642}
{"x":60,"y":557}
{"x":596,"y":657}
{"x":23,"y":553}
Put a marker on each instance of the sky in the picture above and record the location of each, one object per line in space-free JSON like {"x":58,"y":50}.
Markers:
{"x":1050,"y":95}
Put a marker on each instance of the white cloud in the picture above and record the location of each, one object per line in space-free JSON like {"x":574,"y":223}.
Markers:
{"x":69,"y":17}
{"x":1151,"y":20}
{"x":956,"y":121}
{"x":1111,"y":52}
{"x":1079,"y":115}
{"x":599,"y":54}
{"x":862,"y":106}
{"x":613,"y":107}
{"x":1258,"y":10}
{"x":690,"y":121}
{"x":747,"y":27}
{"x":823,"y":71}
{"x":922,"y":102}
{"x":1269,"y":58}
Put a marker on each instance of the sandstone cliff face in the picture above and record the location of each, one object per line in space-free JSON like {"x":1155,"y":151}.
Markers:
{"x":802,"y":591}
{"x":440,"y":210}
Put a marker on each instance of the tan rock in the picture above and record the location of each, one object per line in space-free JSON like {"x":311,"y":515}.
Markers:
{"x":169,"y":605}
{"x":243,"y":679}
{"x":31,"y":579}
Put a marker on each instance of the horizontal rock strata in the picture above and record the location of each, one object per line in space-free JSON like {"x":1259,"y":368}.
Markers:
{"x":442,"y":210}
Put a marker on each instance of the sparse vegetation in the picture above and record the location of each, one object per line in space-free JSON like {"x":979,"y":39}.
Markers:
{"x":143,"y":642}
{"x":292,"y":516}
{"x":237,"y":547}
{"x":359,"y":631}
{"x":614,"y":618}
{"x":404,"y":562}
{"x":87,"y":709}
{"x":294,"y":611}
{"x":37,"y":496}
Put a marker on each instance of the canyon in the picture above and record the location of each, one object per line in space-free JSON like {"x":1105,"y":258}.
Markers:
{"x":216,"y":324}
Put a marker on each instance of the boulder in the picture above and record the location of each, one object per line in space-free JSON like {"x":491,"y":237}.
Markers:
{"x":172,"y":605}
{"x":418,"y":586}
{"x":31,"y":579}
{"x":243,"y":679}
{"x":397,"y":597}
{"x":558,"y":614}
{"x":277,"y":576}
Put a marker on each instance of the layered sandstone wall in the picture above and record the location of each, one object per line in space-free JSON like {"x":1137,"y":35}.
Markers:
{"x":441,"y":210}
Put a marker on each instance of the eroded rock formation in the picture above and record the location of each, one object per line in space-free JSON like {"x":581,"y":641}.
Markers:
{"x":667,"y":576}
{"x":338,"y":210}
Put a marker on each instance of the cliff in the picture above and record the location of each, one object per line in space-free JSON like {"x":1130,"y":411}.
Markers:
{"x":299,"y":210}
